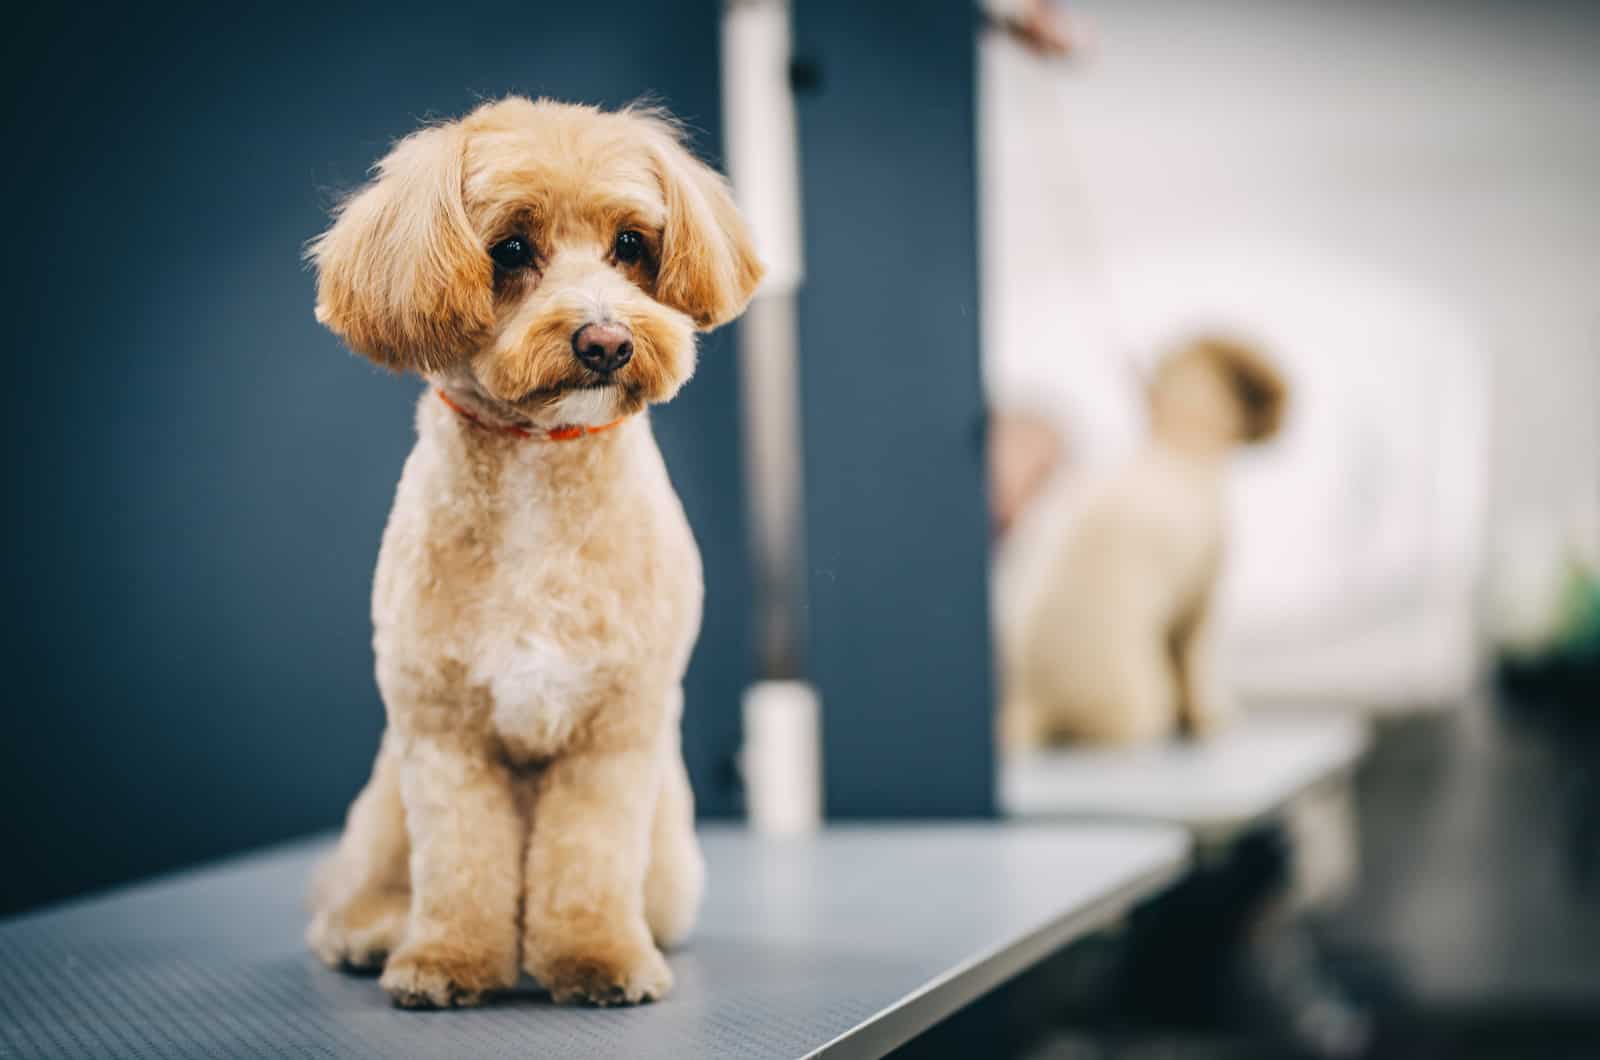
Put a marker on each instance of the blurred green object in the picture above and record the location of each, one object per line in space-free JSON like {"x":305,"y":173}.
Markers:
{"x":1566,"y":667}
{"x":1578,"y":628}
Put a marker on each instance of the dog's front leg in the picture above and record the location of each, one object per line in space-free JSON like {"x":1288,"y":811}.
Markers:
{"x":1205,"y":701}
{"x":584,"y":931}
{"x":466,"y":837}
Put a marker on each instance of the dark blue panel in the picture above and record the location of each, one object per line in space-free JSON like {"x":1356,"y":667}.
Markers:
{"x":893,"y":408}
{"x":198,"y":474}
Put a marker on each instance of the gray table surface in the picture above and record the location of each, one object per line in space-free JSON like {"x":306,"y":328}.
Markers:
{"x":848,"y":943}
{"x":1243,"y":775}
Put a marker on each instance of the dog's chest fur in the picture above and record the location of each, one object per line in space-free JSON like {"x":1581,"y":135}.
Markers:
{"x":526,"y":586}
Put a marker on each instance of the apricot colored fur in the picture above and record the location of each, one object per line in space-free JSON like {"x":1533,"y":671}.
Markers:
{"x":535,"y":601}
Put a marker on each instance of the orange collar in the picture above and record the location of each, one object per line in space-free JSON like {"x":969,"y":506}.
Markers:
{"x":553,"y":434}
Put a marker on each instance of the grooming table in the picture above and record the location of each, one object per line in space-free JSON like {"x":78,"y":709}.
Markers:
{"x":1246,"y":775}
{"x":846,"y":944}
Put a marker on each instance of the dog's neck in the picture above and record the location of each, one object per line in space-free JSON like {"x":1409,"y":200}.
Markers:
{"x":1204,"y":464}
{"x":1197,"y":442}
{"x":479,"y":442}
{"x":470,"y":406}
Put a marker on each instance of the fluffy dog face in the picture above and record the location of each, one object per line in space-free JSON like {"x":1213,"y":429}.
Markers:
{"x":1217,"y":392}
{"x":555,"y":259}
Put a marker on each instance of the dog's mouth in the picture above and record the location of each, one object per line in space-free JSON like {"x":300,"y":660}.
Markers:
{"x":546,"y":394}
{"x":628,"y":395}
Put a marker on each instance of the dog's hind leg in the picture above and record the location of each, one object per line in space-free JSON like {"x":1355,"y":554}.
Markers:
{"x":1021,"y":725}
{"x":676,"y":878}
{"x":1125,"y":692}
{"x":361,"y":894}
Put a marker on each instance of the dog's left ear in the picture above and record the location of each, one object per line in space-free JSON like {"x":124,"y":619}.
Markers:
{"x":709,"y":267}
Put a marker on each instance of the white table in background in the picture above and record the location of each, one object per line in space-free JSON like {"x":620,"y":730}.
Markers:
{"x":1245,"y":775}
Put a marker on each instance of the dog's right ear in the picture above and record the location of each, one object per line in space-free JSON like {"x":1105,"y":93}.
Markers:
{"x":400,"y":274}
{"x":1258,"y":385}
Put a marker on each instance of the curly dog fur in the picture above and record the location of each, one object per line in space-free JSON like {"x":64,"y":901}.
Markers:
{"x":536,"y":600}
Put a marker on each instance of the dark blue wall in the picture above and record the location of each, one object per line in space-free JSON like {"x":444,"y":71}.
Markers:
{"x":197,"y":474}
{"x":893,"y":410}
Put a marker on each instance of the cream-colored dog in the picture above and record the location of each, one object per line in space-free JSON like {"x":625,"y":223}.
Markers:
{"x":545,"y":267}
{"x":1112,"y":641}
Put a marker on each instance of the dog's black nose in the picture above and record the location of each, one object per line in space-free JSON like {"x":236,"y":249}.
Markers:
{"x":603,"y":347}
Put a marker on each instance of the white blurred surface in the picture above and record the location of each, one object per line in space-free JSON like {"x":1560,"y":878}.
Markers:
{"x":1400,"y":201}
{"x":1244,"y":774}
{"x":782,"y":757}
{"x":1451,"y":145}
{"x":758,"y":112}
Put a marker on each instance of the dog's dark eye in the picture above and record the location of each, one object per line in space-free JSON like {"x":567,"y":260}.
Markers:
{"x":629,"y":246}
{"x":513,"y":253}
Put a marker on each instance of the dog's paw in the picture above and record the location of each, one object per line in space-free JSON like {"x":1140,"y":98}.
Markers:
{"x":1207,"y":717}
{"x":359,"y":935}
{"x":606,"y":975}
{"x":438,"y":976}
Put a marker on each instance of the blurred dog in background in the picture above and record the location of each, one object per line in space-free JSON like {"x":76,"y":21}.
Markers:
{"x":1111,"y":638}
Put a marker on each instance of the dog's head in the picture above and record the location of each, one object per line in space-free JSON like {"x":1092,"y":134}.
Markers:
{"x":556,"y":258}
{"x":1218,"y":391}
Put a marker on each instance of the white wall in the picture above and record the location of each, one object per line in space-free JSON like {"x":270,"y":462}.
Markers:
{"x":1455,"y":145}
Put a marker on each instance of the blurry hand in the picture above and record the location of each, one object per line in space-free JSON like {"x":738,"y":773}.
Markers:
{"x":1046,"y":30}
